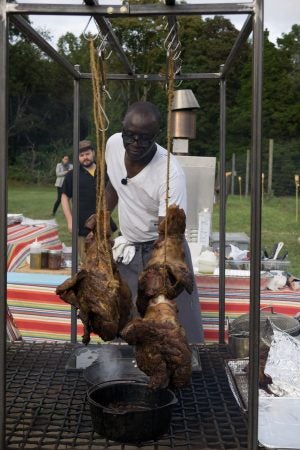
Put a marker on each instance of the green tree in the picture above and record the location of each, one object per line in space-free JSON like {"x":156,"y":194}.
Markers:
{"x":207,"y":44}
{"x":41,"y":92}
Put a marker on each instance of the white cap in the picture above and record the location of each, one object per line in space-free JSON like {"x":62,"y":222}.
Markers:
{"x":35,"y":247}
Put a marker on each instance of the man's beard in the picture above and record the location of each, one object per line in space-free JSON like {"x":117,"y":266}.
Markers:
{"x":87,"y":164}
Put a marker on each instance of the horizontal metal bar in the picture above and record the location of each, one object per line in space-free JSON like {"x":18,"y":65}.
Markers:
{"x":240,"y":40}
{"x":191,"y":9}
{"x":151,"y":77}
{"x":25,"y":28}
{"x":156,"y":9}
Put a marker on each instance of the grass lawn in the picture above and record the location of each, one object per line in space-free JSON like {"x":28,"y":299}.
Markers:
{"x":278,"y":217}
{"x":36,"y":202}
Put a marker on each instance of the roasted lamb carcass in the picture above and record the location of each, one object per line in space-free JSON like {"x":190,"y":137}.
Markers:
{"x":102,"y":298}
{"x":166,"y":271}
{"x":162,"y":350}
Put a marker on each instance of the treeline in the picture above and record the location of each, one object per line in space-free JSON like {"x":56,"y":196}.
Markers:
{"x":41,"y":93}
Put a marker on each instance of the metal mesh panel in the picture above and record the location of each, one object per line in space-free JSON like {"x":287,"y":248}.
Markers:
{"x":282,"y":321}
{"x":47,"y":408}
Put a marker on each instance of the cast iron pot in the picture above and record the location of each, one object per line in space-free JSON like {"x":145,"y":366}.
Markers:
{"x":130,"y":412}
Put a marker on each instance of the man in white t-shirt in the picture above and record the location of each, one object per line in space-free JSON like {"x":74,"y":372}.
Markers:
{"x":136,"y":167}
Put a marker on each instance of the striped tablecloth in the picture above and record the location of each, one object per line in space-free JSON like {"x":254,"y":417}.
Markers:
{"x":19,"y":238}
{"x":284,"y":301}
{"x":38,"y":312}
{"x":12,"y":331}
{"x":41,"y":315}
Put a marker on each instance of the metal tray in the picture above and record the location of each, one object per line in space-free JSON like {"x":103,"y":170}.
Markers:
{"x":106,"y":362}
{"x":238,"y":380}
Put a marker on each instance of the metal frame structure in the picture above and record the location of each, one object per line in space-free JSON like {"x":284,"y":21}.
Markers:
{"x":254,"y":23}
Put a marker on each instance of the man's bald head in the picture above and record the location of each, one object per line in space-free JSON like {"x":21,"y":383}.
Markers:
{"x":144,"y":115}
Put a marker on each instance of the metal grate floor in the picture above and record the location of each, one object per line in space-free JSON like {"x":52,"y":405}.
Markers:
{"x":47,"y":408}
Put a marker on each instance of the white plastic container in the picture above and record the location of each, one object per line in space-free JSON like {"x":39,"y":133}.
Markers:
{"x":35,"y":255}
{"x":207,"y":262}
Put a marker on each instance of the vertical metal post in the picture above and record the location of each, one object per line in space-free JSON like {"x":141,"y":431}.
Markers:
{"x":222,"y":218}
{"x":270,"y":167}
{"x":233,"y":173}
{"x":3,"y":212}
{"x":297,"y":191}
{"x":247,"y":173}
{"x":257,"y":70}
{"x":75,"y":195}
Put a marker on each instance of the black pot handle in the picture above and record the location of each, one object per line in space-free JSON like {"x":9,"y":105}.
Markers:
{"x":119,"y":380}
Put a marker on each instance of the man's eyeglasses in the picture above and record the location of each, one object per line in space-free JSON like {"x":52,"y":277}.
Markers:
{"x":144,"y":140}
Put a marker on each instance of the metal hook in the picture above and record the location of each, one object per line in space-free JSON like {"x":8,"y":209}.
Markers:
{"x":109,"y":55}
{"x":106,"y":118}
{"x":177,"y":51}
{"x":177,"y":46}
{"x":103,"y":43}
{"x":168,"y":37}
{"x":170,"y":47}
{"x":178,"y":84}
{"x":178,"y":66}
{"x":171,"y":42}
{"x":106,"y":92}
{"x":102,"y":47}
{"x":85,"y":31}
{"x":176,"y":55}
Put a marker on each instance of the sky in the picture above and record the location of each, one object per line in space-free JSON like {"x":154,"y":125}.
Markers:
{"x":279,"y":16}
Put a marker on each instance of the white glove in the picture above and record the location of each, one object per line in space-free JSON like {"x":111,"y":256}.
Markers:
{"x":123,"y":251}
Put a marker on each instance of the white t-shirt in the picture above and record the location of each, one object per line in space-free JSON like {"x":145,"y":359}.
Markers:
{"x":143,"y":199}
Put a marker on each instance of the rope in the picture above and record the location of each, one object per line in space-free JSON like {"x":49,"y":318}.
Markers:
{"x":102,"y":216}
{"x":170,"y":85}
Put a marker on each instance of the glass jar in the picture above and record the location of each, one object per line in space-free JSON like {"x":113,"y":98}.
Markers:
{"x":54,"y":259}
{"x":44,"y":259}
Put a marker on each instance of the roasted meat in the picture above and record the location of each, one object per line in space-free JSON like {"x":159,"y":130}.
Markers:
{"x":161,"y":348}
{"x":102,"y":298}
{"x":166,"y":272}
{"x":263,"y":379}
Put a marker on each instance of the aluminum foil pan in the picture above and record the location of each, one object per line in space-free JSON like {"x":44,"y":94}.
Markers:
{"x":238,"y":381}
{"x":283,"y":364}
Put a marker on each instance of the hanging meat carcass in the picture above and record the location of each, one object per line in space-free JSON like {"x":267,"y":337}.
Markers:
{"x":162,"y":350}
{"x":102,"y":298}
{"x":166,"y":271}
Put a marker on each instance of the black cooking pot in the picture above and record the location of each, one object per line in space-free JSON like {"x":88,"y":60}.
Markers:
{"x":130,"y":412}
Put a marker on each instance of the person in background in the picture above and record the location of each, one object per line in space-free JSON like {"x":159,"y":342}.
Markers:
{"x":61,"y":171}
{"x":87,"y":193}
{"x":136,"y":167}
